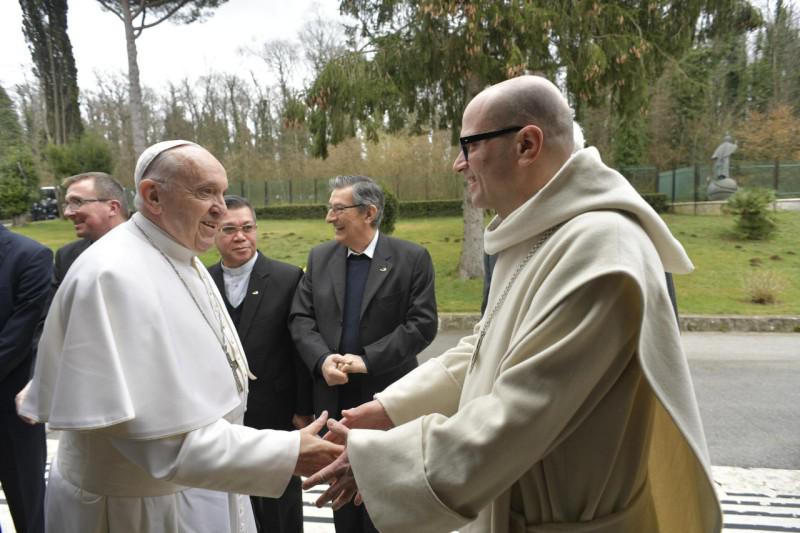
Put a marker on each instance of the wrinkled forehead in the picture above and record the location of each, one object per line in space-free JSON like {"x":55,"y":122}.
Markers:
{"x":343,"y":195}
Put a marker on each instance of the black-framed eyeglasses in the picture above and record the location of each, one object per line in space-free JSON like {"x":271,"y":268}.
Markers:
{"x":77,"y":203}
{"x":339,"y":209}
{"x":469,"y":139}
{"x":231,"y":230}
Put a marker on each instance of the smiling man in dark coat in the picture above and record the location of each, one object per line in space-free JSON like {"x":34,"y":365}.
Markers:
{"x":363,"y":311}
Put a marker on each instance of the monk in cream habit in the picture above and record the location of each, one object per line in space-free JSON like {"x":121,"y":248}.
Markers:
{"x":141,"y":369}
{"x":571,"y":408}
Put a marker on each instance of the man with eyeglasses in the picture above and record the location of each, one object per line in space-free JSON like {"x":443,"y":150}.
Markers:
{"x":95,"y":204}
{"x":258,"y":293}
{"x":570,"y":408}
{"x":363,"y":311}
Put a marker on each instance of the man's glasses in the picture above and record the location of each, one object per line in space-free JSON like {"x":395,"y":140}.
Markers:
{"x":469,"y":139}
{"x":244,"y":228}
{"x":339,"y":209}
{"x":77,"y":203}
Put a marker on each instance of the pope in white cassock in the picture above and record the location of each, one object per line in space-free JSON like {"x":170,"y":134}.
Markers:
{"x":142,"y":371}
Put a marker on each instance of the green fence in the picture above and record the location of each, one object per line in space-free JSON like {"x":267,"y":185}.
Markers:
{"x":684,"y":184}
{"x":316,"y":191}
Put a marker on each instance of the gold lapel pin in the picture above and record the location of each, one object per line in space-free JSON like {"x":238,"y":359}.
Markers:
{"x":254,"y":293}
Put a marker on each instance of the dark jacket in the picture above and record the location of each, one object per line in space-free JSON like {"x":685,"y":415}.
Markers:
{"x":398,"y":314}
{"x":283,"y":387}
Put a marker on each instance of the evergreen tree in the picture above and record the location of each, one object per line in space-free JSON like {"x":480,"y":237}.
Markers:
{"x":422,"y":60}
{"x":44,"y":24}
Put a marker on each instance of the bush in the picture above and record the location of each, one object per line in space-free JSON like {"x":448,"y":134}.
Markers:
{"x":432,"y":208}
{"x":291,"y":211}
{"x":657,"y":200}
{"x":19,"y":181}
{"x":391,"y":207}
{"x":755,"y":220}
{"x":763,"y":287}
{"x":90,"y":153}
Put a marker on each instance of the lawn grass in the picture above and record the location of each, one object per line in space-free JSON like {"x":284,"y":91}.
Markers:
{"x":723,"y":263}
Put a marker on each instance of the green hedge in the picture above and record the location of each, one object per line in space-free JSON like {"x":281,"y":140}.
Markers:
{"x":431,"y":208}
{"x":423,"y":209}
{"x":292,"y":211}
{"x":657,"y":200}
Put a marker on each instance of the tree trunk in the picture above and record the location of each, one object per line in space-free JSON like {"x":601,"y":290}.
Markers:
{"x":470,"y":265}
{"x":134,"y":89}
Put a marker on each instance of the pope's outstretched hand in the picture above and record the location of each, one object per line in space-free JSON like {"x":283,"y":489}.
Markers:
{"x":315,"y":453}
{"x":342,"y":487}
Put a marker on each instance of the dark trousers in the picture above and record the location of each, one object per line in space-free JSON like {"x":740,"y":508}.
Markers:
{"x":23,"y":453}
{"x":353,"y":519}
{"x":280,"y":515}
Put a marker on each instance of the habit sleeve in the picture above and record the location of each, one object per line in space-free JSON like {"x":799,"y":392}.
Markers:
{"x":437,"y":472}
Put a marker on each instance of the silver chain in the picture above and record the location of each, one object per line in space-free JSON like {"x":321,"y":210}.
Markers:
{"x":488,"y":322}
{"x":232,"y":362}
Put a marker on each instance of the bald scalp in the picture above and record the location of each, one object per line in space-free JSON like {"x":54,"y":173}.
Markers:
{"x":532,"y":100}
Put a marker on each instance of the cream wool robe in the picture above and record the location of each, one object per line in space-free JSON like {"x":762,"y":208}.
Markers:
{"x":147,"y":403}
{"x":579,"y":413}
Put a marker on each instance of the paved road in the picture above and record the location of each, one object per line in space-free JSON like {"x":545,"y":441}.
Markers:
{"x":748,"y":389}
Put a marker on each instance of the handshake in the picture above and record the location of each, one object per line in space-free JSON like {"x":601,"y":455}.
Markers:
{"x":324,"y":460}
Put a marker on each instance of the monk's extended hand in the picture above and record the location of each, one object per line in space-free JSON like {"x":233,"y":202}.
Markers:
{"x":370,"y":415}
{"x":342,"y":487}
{"x":315,"y":453}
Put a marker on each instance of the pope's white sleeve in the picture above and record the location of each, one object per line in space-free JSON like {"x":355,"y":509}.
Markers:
{"x":221,"y":456}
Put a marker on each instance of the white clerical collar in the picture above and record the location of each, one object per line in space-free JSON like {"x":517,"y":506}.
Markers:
{"x":242,"y":270}
{"x":162,"y":239}
{"x":237,"y":279}
{"x":370,"y":249}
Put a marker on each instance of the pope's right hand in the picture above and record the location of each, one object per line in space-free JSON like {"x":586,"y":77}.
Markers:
{"x":315,"y":453}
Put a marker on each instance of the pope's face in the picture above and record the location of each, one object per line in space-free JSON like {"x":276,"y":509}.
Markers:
{"x":236,"y":239}
{"x":192,"y":202}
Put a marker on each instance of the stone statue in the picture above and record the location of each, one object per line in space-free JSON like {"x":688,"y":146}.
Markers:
{"x":722,"y":185}
{"x":722,"y":158}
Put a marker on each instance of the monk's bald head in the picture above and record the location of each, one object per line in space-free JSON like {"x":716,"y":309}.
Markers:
{"x":528,"y":100}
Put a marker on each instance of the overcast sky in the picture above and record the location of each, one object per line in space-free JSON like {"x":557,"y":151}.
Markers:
{"x":167,"y":52}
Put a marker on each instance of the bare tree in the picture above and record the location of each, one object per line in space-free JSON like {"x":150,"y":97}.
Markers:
{"x":137,"y":16}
